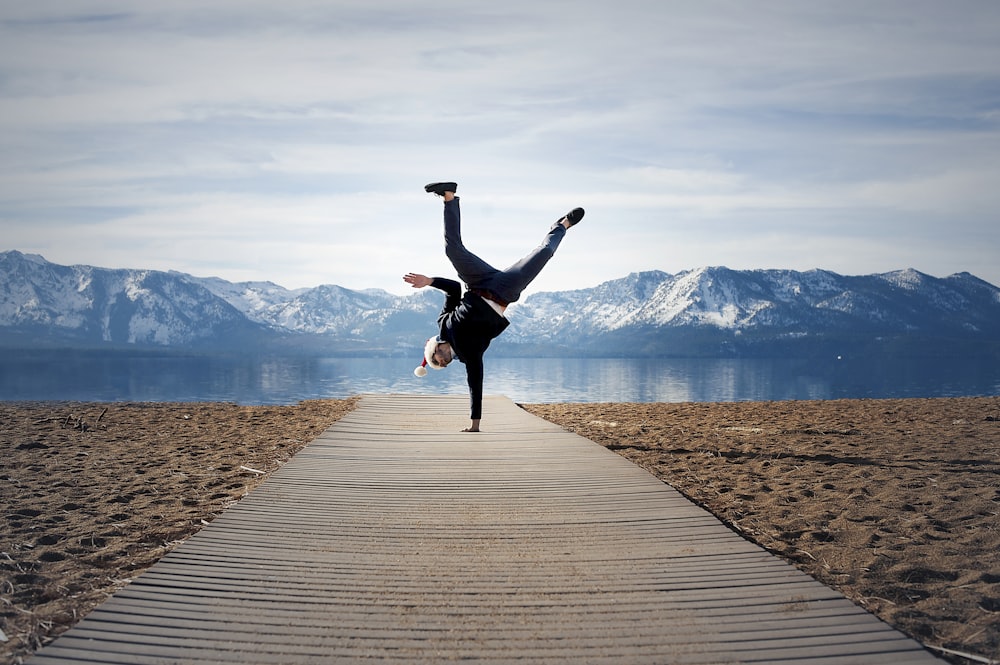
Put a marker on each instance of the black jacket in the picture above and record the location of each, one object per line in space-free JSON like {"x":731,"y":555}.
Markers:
{"x":469,"y":324}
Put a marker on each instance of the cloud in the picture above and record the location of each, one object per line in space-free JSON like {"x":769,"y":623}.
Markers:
{"x":290,"y":141}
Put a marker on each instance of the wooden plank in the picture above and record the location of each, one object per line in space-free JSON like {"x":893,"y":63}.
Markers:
{"x":393,"y":537}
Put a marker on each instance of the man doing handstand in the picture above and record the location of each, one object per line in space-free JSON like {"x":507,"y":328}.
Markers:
{"x":469,"y":322}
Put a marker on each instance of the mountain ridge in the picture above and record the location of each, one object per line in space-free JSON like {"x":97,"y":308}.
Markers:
{"x":707,"y":311}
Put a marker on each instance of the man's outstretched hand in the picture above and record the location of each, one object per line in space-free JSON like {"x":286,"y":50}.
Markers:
{"x":417,"y":281}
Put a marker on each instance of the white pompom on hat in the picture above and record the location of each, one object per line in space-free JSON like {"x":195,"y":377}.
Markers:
{"x":428,"y":360}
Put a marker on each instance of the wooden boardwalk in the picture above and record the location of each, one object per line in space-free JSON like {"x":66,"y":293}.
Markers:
{"x":394,"y":537}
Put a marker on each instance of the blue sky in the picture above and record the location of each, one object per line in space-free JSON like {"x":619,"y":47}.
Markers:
{"x":290,"y":142}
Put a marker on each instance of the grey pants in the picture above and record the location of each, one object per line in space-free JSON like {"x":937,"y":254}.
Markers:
{"x":478,"y":274}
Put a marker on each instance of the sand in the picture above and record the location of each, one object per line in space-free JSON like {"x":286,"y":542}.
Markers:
{"x":893,"y":502}
{"x":93,"y":494}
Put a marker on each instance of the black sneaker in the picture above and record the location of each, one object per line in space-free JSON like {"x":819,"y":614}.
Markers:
{"x":573,"y":216}
{"x":440,"y":188}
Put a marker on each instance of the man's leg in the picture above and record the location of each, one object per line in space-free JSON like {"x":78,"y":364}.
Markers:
{"x":471,"y":269}
{"x":511,"y":282}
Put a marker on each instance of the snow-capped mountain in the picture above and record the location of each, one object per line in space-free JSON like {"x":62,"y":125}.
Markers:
{"x":323,"y":310}
{"x":718,"y":311}
{"x":42,"y":301}
{"x":708,"y":311}
{"x":729,"y":299}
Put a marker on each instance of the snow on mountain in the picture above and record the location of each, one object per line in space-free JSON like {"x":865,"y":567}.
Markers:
{"x":87,"y":305}
{"x":782,"y":301}
{"x":705,"y":297}
{"x":611,"y":305}
{"x":646,"y":312}
{"x":95,"y":305}
{"x":255,"y":299}
{"x":324,"y":310}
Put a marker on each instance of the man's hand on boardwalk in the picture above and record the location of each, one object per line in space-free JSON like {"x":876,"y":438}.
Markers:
{"x":416,"y":280}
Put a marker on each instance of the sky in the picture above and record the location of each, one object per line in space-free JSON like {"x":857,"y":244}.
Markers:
{"x":290,"y":142}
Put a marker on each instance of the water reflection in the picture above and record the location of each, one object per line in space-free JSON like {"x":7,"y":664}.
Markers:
{"x":277,"y":380}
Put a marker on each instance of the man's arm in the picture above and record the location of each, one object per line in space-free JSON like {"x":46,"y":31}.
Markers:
{"x":474,"y":374}
{"x":451,"y":288}
{"x":473,"y":368}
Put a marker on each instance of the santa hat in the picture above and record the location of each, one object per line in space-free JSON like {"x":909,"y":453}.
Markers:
{"x":429,"y":348}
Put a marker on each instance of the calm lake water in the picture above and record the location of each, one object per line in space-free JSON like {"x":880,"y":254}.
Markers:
{"x":78,"y":376}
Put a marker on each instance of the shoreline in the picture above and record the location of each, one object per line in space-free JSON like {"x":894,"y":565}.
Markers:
{"x":894,"y":502}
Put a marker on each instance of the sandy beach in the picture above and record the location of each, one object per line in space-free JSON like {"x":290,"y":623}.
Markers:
{"x":93,"y":494}
{"x":893,"y":502}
